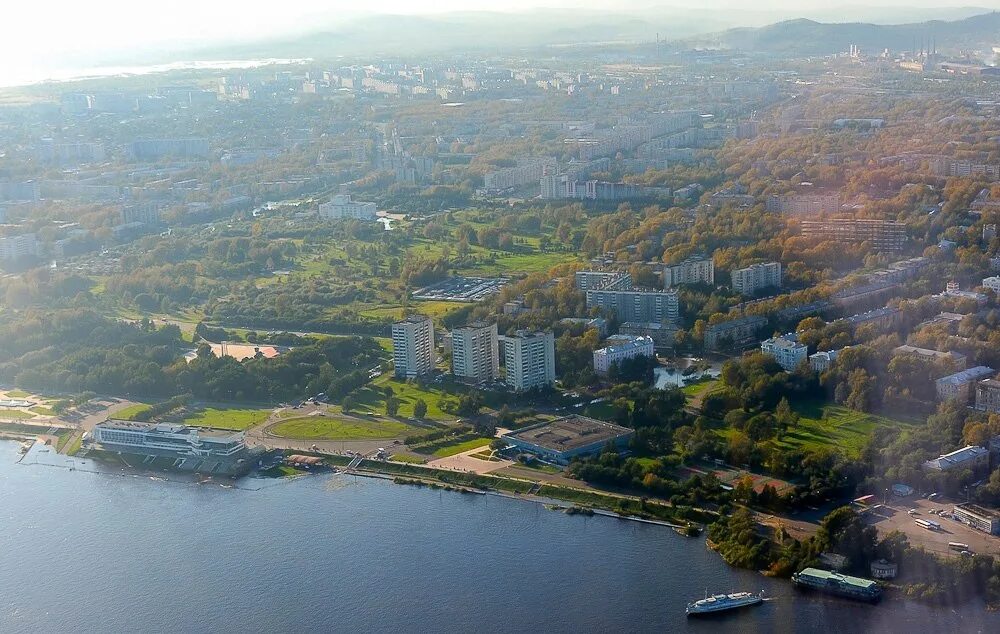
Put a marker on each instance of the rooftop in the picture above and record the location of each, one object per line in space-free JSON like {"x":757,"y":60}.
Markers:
{"x":166,"y":428}
{"x":972,"y":374}
{"x":982,"y":511}
{"x":569,"y":433}
{"x":826,"y":574}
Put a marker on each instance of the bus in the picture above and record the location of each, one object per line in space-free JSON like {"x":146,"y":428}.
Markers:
{"x":958,"y":546}
{"x":931,"y":526}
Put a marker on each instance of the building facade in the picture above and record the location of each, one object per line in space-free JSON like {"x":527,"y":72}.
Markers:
{"x":475,"y":354}
{"x":749,"y":280}
{"x":591,"y":280}
{"x":734,"y":334}
{"x":413,"y":352}
{"x":637,"y":304}
{"x":530,"y":360}
{"x":958,"y":386}
{"x":786,"y":350}
{"x":988,"y":396}
{"x":341,"y":206}
{"x":690,"y":271}
{"x":18,"y":247}
{"x":621,"y":348}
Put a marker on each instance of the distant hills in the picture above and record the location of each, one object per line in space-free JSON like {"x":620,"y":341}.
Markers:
{"x":808,"y":37}
{"x":485,"y":32}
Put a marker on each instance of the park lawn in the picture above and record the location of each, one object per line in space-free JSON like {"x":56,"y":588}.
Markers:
{"x":43,"y":411}
{"x":431,"y":308}
{"x":130,"y":412}
{"x":408,"y":458}
{"x":521,"y":263}
{"x":826,"y":426}
{"x":408,"y":394}
{"x":15,"y":414}
{"x":699,"y":386}
{"x":327,"y":428}
{"x":235,"y":419}
{"x":457,"y":448}
{"x":17,"y":394}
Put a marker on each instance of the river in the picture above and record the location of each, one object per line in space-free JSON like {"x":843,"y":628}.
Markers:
{"x":100,"y":552}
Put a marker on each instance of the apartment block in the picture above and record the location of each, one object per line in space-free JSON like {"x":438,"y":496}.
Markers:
{"x":753,"y":278}
{"x":474,"y":353}
{"x":413,"y":347}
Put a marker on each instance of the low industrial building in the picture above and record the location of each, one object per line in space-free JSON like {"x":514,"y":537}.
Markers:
{"x":972,"y":457}
{"x":978,"y":517}
{"x":563,"y":439}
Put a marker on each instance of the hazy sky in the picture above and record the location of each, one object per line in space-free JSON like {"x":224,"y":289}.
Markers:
{"x":48,"y":33}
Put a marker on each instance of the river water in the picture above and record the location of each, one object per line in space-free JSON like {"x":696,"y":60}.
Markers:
{"x":102,"y":552}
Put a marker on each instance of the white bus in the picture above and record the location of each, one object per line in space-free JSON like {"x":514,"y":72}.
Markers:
{"x":958,"y":546}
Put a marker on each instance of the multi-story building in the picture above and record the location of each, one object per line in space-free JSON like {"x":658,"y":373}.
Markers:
{"x":528,"y":171}
{"x":734,"y":334}
{"x":957,"y":359}
{"x":148,"y":213}
{"x":992,"y":283}
{"x":664,"y":336}
{"x":620,"y":348}
{"x":988,"y":396}
{"x":413,"y":347}
{"x":753,"y":278}
{"x":995,"y":263}
{"x":786,"y":350}
{"x":50,"y":152}
{"x":958,"y":386}
{"x":474,"y":353}
{"x":588,"y":280}
{"x":637,"y":304}
{"x":884,"y":235}
{"x":822,"y":361}
{"x":341,"y":206}
{"x":804,"y":203}
{"x":972,"y":457}
{"x":17,"y":247}
{"x":530,"y":359}
{"x":978,"y":517}
{"x":691,"y":271}
{"x":153,"y":149}
{"x":191,"y":448}
{"x":947,"y":166}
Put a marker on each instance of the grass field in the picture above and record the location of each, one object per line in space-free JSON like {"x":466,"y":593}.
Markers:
{"x":236,"y":419}
{"x":17,"y":394}
{"x":697,"y":387}
{"x":457,"y":448}
{"x":408,"y":458}
{"x":326,"y":428}
{"x":43,"y":411}
{"x":432,"y":308}
{"x":15,"y":414}
{"x":826,"y":426}
{"x":370,"y":399}
{"x":131,"y":411}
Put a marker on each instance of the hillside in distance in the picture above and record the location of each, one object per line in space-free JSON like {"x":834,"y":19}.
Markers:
{"x":808,"y":37}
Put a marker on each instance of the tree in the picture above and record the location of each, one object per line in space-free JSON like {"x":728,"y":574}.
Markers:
{"x":420,"y":408}
{"x":391,"y":406}
{"x":348,"y":404}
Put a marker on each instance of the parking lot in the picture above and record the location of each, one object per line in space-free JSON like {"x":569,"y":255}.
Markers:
{"x":894,"y":516}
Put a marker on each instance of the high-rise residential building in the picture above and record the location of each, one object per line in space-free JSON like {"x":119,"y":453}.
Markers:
{"x":691,"y":271}
{"x":786,"y":350}
{"x":621,"y":348}
{"x":589,"y":280}
{"x":153,"y":149}
{"x":474,"y":353}
{"x":526,"y":171}
{"x":17,"y":247}
{"x":637,"y":304}
{"x":413,"y":347}
{"x":804,"y":203}
{"x":753,"y":278}
{"x":530,"y":358}
{"x":341,"y":206}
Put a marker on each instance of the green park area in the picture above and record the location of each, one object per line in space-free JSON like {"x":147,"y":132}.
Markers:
{"x":235,"y":419}
{"x":15,"y":414}
{"x":457,"y":448}
{"x":328,"y":428}
{"x":130,"y":412}
{"x":831,"y":427}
